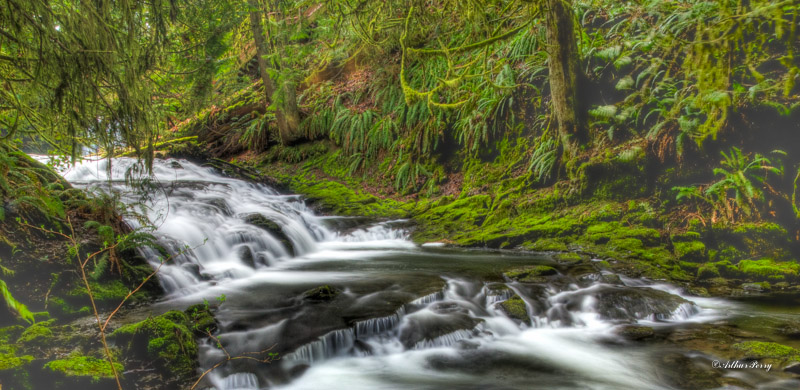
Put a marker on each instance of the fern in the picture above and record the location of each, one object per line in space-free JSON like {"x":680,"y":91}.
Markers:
{"x":543,"y":159}
{"x":14,"y":305}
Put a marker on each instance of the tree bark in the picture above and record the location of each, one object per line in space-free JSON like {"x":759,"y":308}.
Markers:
{"x":286,"y":113}
{"x":564,"y":72}
{"x":290,"y":132}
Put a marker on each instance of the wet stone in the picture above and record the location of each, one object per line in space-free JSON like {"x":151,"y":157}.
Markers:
{"x":635,"y":332}
{"x":793,"y":368}
{"x":321,"y":294}
{"x":637,"y":303}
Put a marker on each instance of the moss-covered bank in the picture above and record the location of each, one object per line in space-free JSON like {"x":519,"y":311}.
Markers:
{"x":627,"y":232}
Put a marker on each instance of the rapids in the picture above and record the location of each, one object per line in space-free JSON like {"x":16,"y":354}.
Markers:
{"x":401,"y":316}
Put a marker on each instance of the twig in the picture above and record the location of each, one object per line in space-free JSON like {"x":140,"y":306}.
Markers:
{"x":244,"y":356}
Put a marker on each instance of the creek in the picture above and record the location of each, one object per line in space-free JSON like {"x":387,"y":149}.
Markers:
{"x":349,"y":303}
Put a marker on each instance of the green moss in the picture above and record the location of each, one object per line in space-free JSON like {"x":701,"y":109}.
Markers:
{"x":203,"y":321}
{"x":515,"y":308}
{"x":10,"y":360}
{"x":546,"y":245}
{"x":625,"y":245}
{"x":690,"y":251}
{"x":531,"y":274}
{"x":167,"y":338}
{"x":37,"y":334}
{"x":342,"y":199}
{"x":569,"y":258}
{"x":114,"y":290}
{"x":84,"y":366}
{"x":685,"y":237}
{"x":768,"y":269}
{"x":754,"y":240}
{"x":321,"y":293}
{"x":604,"y":232}
{"x":707,"y":271}
{"x":761,"y":350}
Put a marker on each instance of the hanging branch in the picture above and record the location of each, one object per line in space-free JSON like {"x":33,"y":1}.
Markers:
{"x":412,"y":94}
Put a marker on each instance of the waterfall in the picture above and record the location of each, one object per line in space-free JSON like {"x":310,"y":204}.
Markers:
{"x":379,"y":325}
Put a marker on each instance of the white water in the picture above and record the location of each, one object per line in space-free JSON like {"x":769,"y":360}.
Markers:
{"x":405,"y":318}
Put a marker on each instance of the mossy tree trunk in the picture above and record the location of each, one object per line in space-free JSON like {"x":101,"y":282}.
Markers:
{"x":290,"y":132}
{"x":286,"y":112}
{"x":564,"y":77}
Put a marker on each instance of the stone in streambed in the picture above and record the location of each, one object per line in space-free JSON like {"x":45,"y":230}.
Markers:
{"x":436,"y":321}
{"x":635,"y":332}
{"x":203,"y":322}
{"x":793,"y":368}
{"x":531,"y":274}
{"x":321,"y":294}
{"x":515,"y":308}
{"x":637,"y":303}
{"x":272,"y":228}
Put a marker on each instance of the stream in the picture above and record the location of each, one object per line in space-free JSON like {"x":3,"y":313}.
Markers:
{"x":351,"y":304}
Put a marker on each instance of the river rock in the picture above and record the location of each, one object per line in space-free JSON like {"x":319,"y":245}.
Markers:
{"x":634,"y":332}
{"x":531,"y":274}
{"x":439,"y":321}
{"x":793,"y":368}
{"x":272,"y":227}
{"x":321,"y":294}
{"x":790,"y":329}
{"x":515,"y":308}
{"x":246,"y":255}
{"x":755,"y":287}
{"x":625,"y":303}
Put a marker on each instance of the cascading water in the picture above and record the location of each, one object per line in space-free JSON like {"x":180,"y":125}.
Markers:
{"x":397,"y":316}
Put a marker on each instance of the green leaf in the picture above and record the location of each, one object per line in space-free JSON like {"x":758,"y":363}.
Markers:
{"x":14,"y":305}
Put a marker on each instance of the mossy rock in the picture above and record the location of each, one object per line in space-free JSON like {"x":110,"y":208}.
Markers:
{"x":768,"y":269}
{"x":569,"y":258}
{"x":637,"y":303}
{"x":515,"y":308}
{"x":10,"y":361}
{"x":14,"y":370}
{"x":690,"y":251}
{"x":753,"y":240}
{"x":609,"y":177}
{"x":756,"y":287}
{"x":112,"y":291}
{"x":719,"y":269}
{"x":78,"y":365}
{"x":707,"y":271}
{"x":546,"y":245}
{"x":767,"y":350}
{"x":62,"y":308}
{"x":166,"y":339}
{"x":635,"y":332}
{"x":321,"y":294}
{"x":38,"y":334}
{"x":203,"y":322}
{"x":13,"y":366}
{"x":685,"y":237}
{"x":531,"y":274}
{"x":604,"y":232}
{"x":625,"y":246}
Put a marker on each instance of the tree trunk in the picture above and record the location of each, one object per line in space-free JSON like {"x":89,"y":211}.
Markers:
{"x":286,"y":113}
{"x":564,"y":71}
{"x":290,"y":132}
